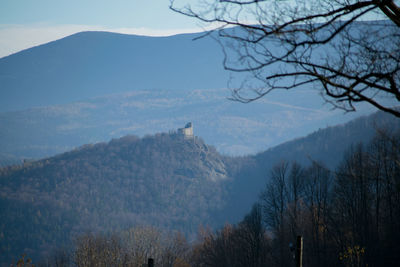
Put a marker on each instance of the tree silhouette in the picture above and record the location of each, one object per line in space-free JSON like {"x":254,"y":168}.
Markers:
{"x":309,"y":43}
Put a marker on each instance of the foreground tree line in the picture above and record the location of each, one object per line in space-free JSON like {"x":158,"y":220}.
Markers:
{"x":348,"y":217}
{"x":132,"y":247}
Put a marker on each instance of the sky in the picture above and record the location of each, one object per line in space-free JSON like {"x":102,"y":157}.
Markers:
{"x":27,"y":23}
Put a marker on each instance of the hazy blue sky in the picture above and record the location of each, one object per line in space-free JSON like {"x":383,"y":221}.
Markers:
{"x":25,"y":23}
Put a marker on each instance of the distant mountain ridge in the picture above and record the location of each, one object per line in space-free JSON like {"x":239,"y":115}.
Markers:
{"x":233,"y":128}
{"x":90,"y":64}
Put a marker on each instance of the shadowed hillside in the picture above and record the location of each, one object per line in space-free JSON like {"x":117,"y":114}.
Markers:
{"x":326,"y":146}
{"x":163,"y":180}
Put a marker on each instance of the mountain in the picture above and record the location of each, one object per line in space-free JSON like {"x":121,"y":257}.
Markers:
{"x":233,"y":128}
{"x":94,"y":86}
{"x":90,"y":64}
{"x":326,"y":146}
{"x":164,"y":180}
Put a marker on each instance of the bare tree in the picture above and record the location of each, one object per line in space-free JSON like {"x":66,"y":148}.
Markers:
{"x":384,"y":151}
{"x":132,"y":247}
{"x":245,"y":244}
{"x":98,"y":250}
{"x":176,"y":251}
{"x":295,"y":194}
{"x":352,"y":197}
{"x":309,"y":43}
{"x":274,"y":200}
{"x":254,"y":243}
{"x":216,"y":249}
{"x":318,"y":187}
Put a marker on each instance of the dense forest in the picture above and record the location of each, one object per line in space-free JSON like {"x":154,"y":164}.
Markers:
{"x":168,"y":197}
{"x":348,"y":216}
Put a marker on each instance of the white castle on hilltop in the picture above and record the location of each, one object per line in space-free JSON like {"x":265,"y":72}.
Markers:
{"x":187,"y":132}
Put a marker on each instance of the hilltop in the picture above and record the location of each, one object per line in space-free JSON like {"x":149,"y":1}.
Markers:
{"x":163,"y":180}
{"x":232,"y":128}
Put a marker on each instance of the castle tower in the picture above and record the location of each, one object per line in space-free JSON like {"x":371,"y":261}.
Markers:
{"x":187,"y":132}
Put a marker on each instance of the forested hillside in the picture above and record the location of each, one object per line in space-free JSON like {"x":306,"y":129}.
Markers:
{"x":346,"y":216}
{"x":163,"y":180}
{"x":326,"y":146}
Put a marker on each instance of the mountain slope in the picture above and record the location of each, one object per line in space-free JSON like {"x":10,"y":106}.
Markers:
{"x":163,"y":180}
{"x":326,"y":146}
{"x":90,"y":64}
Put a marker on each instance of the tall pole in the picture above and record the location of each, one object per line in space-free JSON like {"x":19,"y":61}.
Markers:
{"x":150,"y":262}
{"x":299,"y":251}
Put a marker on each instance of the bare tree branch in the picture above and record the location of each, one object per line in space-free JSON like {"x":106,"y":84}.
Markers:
{"x":319,"y":43}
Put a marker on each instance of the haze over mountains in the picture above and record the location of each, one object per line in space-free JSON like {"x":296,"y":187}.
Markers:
{"x":91,"y":64}
{"x":94,"y":86}
{"x":94,"y":113}
{"x":96,"y":170}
